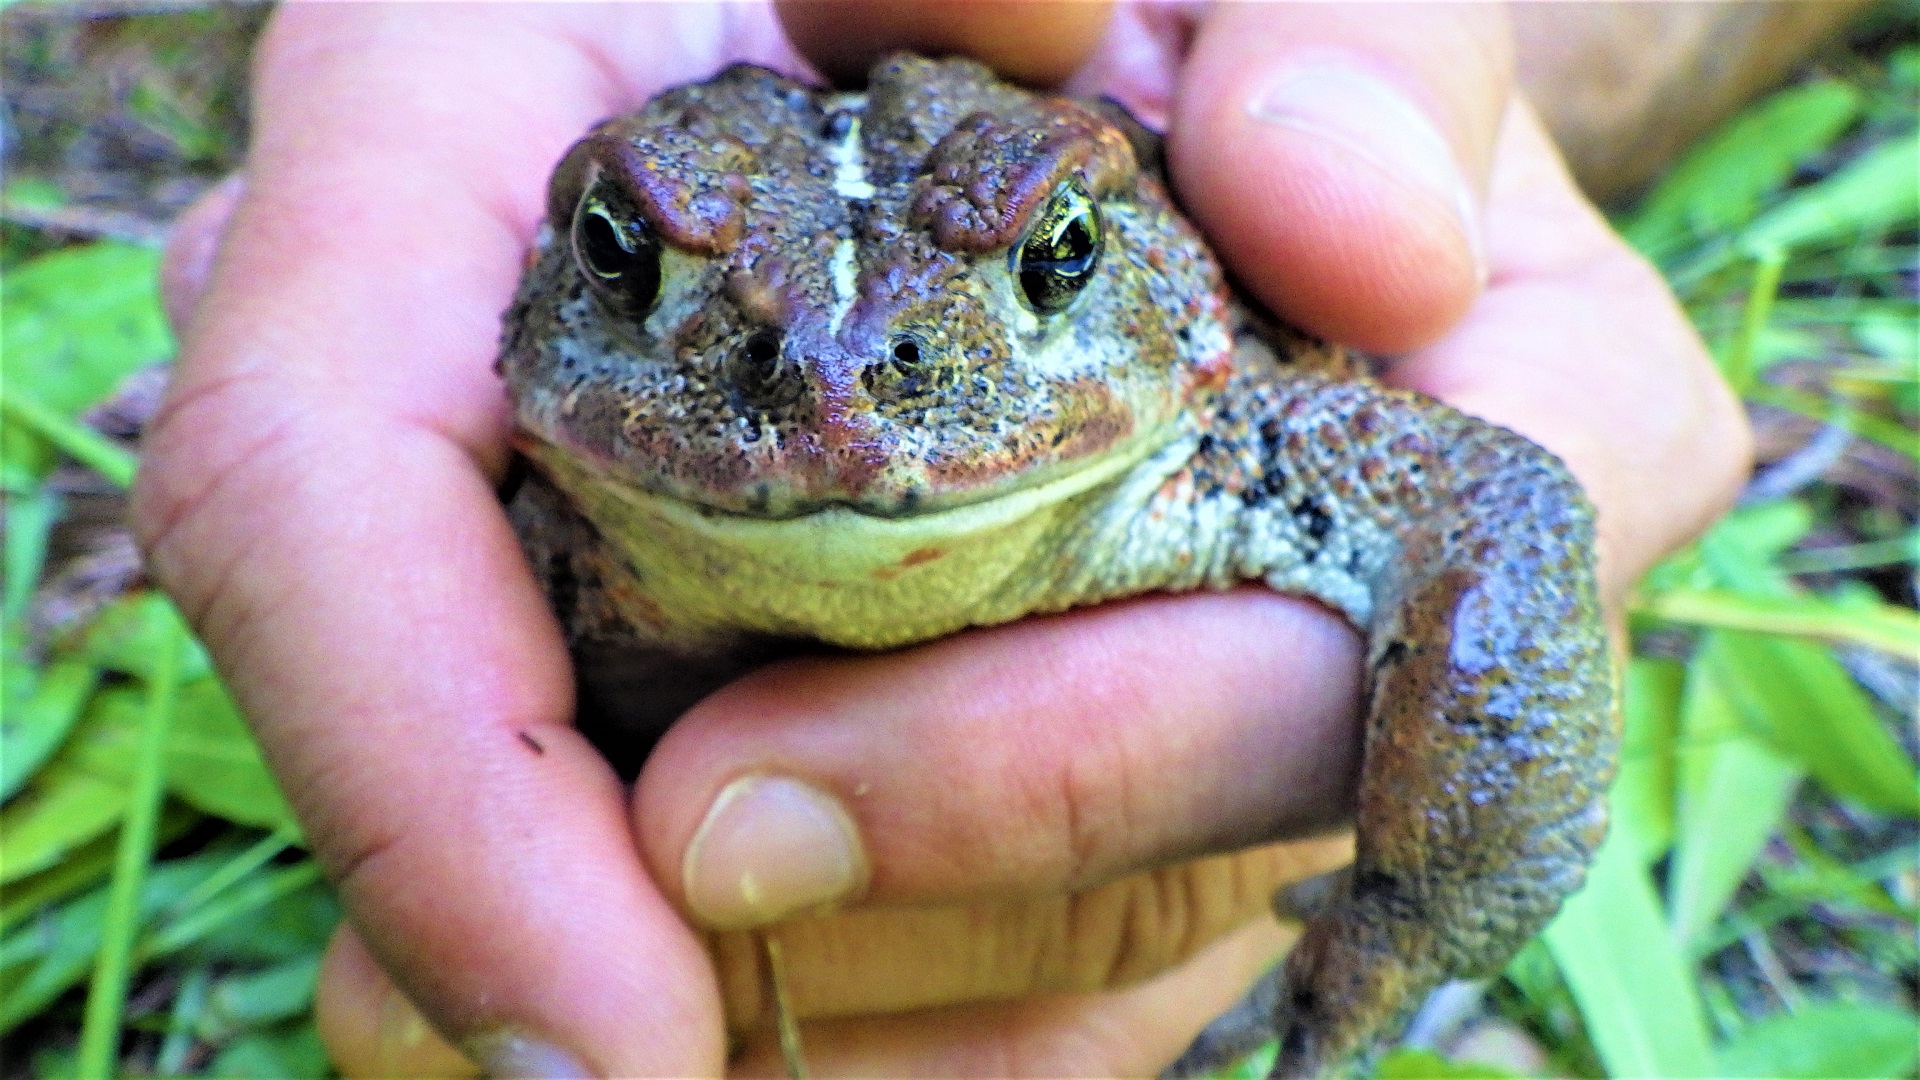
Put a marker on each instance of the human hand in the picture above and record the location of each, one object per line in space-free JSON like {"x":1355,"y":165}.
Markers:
{"x":989,"y":775}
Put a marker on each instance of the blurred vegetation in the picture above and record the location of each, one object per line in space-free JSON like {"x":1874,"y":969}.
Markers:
{"x":1753,"y":912}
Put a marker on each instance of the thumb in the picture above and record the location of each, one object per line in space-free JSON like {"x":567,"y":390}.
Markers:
{"x":1338,"y":155}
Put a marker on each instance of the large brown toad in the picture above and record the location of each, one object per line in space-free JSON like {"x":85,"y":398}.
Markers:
{"x":795,"y":365}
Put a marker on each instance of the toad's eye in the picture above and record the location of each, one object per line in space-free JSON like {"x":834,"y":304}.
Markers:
{"x":1055,"y":259}
{"x":617,"y":253}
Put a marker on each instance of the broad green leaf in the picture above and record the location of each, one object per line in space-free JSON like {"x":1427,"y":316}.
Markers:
{"x":1763,"y":530}
{"x":184,"y":1021}
{"x":1874,"y":192}
{"x":277,"y":914}
{"x":1776,"y":343}
{"x":34,"y":728}
{"x":30,"y":516}
{"x":1254,"y":1066}
{"x":81,"y":870}
{"x":33,"y":191}
{"x":1717,"y":187}
{"x":214,"y":764}
{"x":1635,"y":989}
{"x":293,"y":1054}
{"x":1798,"y":697}
{"x":66,"y":806}
{"x":1733,"y":790}
{"x":1831,"y":1039}
{"x":1891,"y":334}
{"x":1404,"y":1064}
{"x":81,"y":792}
{"x":1533,"y":972}
{"x":75,"y":322}
{"x":51,"y":1062}
{"x":65,"y":940}
{"x":128,"y":635}
{"x":280,"y":992}
{"x":1642,"y":799}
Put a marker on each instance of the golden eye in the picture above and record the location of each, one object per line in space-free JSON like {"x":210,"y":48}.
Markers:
{"x":1056,"y":258}
{"x":616,"y":252}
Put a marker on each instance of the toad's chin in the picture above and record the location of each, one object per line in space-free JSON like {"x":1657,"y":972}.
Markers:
{"x":841,"y":574}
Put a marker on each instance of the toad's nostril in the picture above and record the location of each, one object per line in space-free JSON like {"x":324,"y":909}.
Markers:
{"x":903,"y":376}
{"x":762,"y":350}
{"x":761,"y":376}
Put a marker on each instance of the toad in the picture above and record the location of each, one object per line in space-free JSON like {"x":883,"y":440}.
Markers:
{"x":794,"y":365}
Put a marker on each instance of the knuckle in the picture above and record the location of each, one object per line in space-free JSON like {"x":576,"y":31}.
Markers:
{"x":201,"y":473}
{"x":1125,"y":933}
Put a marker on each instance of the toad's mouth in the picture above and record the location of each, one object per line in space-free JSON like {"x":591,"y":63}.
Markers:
{"x":839,"y":536}
{"x":884,"y":479}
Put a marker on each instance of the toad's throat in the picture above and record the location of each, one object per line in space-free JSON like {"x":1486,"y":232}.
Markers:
{"x":852,"y":578}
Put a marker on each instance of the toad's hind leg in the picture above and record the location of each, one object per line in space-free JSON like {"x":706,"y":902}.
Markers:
{"x":1489,"y":741}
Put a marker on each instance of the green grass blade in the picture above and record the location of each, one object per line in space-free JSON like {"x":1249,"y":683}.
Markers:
{"x":1738,"y":365}
{"x":1886,"y":627}
{"x":248,"y":897}
{"x":1799,"y":699}
{"x":1642,"y":797}
{"x":107,"y":997}
{"x":189,"y":1004}
{"x":246,"y":862}
{"x":1733,"y":791}
{"x":1873,"y":428}
{"x":1718,"y":186}
{"x":1862,"y":556}
{"x":76,"y":440}
{"x":1830,"y":1039}
{"x":30,"y":516}
{"x":1874,"y":192}
{"x":1634,"y":988}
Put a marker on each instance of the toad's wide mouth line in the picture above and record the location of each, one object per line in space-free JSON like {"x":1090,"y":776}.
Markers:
{"x":851,"y":525}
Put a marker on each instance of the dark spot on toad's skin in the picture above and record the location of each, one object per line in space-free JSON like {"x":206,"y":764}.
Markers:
{"x":1394,"y":653}
{"x":1313,"y":520}
{"x":533,"y":744}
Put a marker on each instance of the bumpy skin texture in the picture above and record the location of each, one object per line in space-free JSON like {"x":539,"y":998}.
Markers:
{"x":842,"y":420}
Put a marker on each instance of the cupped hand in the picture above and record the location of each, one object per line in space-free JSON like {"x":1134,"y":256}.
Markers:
{"x":1017,"y":827}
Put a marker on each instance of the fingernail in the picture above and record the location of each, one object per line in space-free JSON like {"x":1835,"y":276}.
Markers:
{"x":402,"y":1029}
{"x":771,"y":847}
{"x":505,"y":1054}
{"x":1366,"y":114}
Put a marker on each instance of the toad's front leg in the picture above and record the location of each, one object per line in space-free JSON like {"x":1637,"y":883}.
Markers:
{"x":1465,"y":553}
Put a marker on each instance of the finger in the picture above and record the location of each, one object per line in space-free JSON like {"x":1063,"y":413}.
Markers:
{"x":875,"y":960}
{"x":314,"y":497}
{"x":1037,"y":44}
{"x":1132,"y":1032}
{"x":883,"y":961}
{"x":1579,"y":344}
{"x":369,"y":1027}
{"x":1337,"y":155}
{"x":191,"y":244}
{"x":1052,"y":754}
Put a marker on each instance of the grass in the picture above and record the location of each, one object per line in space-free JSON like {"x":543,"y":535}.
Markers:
{"x":1752,"y":913}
